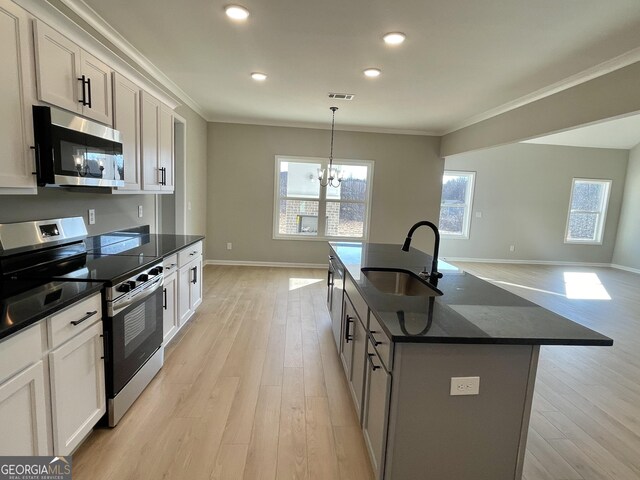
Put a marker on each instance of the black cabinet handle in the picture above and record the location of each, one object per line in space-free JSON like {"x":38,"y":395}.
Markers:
{"x":370,"y":356}
{"x":164,"y":302}
{"x":87,"y":316}
{"x":195,"y":275}
{"x":329,"y":278}
{"x":347,"y":336}
{"x":89,"y":91}
{"x":83,"y":79}
{"x":105,"y":347}
{"x":373,"y":339}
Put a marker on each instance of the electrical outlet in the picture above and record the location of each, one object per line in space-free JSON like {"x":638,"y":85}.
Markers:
{"x":465,"y":385}
{"x":229,"y":246}
{"x":478,"y":214}
{"x":140,"y":211}
{"x":512,"y":248}
{"x":92,"y":216}
{"x":188,"y":205}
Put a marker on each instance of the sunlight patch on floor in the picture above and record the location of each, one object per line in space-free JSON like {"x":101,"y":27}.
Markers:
{"x":584,"y":286}
{"x":295,"y":283}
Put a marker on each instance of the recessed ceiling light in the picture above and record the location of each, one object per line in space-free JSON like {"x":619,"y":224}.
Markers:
{"x":260,"y":77}
{"x":394,"y":38}
{"x":236,"y":12}
{"x":372,"y":72}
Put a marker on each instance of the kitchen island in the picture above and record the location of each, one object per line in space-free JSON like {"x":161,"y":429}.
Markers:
{"x":442,"y":378}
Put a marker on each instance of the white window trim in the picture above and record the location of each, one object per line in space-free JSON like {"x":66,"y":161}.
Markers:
{"x":603,"y":217}
{"x":322,"y":199}
{"x":466,"y":221}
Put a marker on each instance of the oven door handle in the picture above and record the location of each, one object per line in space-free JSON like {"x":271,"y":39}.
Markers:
{"x":118,"y":306}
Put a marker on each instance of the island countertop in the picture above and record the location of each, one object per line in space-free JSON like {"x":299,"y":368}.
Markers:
{"x":471,"y":310}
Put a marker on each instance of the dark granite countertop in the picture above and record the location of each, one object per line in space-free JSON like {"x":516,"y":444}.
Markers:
{"x":470,"y":310}
{"x":20,"y":308}
{"x":134,"y":243}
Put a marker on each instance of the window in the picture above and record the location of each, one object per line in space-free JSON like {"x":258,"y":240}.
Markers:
{"x":587,"y":211}
{"x":305,"y":210}
{"x":455,"y":205}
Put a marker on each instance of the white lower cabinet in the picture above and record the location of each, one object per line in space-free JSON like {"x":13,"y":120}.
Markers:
{"x":52,"y":383}
{"x":189,"y":281}
{"x":170,"y":307}
{"x":189,"y":289}
{"x":23,"y":407}
{"x":78,"y":398}
{"x":375,"y":409}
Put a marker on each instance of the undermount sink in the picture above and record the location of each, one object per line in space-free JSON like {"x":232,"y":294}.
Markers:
{"x":399,"y":282}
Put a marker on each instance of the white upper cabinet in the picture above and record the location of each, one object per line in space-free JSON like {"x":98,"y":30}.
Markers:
{"x":71,"y":78}
{"x":17,"y":93}
{"x":126,"y":119}
{"x":157,"y":145}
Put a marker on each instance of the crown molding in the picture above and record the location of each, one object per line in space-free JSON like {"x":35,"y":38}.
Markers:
{"x":616,"y":63}
{"x":100,"y":25}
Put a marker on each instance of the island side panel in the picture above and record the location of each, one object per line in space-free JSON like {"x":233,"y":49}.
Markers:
{"x":476,"y":437}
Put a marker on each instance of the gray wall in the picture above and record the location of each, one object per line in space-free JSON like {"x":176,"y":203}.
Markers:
{"x":112,"y":211}
{"x":195,"y":172}
{"x":523,"y":193}
{"x":627,"y":250}
{"x":406,"y":187}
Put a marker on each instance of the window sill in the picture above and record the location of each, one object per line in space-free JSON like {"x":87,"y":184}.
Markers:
{"x":320,"y":239}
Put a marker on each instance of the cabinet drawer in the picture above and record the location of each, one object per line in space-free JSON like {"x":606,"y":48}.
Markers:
{"x":21,"y":350}
{"x":170,"y":264}
{"x":382,"y":343}
{"x":356,"y":299}
{"x":190,"y":253}
{"x":86,"y":312}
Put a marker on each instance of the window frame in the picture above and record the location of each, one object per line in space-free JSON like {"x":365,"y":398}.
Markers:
{"x":322,"y":199}
{"x":600,"y":226}
{"x":466,"y":220}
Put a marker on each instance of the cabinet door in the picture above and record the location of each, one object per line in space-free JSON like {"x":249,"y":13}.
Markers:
{"x":126,"y":119}
{"x":170,"y":305}
{"x":22,"y":413}
{"x":166,"y":148}
{"x":356,"y":381}
{"x":346,"y":341}
{"x":16,"y":97}
{"x":375,"y":412}
{"x":98,"y":88}
{"x":185,"y":275}
{"x":57,"y":68}
{"x":77,"y":388}
{"x":195,"y":293}
{"x":150,"y":126}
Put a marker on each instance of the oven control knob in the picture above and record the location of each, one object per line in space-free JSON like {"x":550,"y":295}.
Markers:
{"x":143,"y":278}
{"x":155,"y":271}
{"x":132,"y":284}
{"x":125,"y":287}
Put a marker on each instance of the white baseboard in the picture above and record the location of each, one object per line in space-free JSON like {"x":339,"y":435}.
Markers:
{"x":626,"y":269}
{"x":243,"y":263}
{"x":526,"y":262}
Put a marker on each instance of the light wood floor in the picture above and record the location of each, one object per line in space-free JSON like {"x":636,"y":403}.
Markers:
{"x":585,"y":422}
{"x":253,"y":388}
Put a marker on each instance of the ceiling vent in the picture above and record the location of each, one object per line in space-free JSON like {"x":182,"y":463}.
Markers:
{"x":342,"y":96}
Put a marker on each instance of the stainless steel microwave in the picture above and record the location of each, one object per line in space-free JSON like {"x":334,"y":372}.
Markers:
{"x":73,"y":151}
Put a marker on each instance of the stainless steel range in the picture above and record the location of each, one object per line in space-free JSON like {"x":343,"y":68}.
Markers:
{"x":55,"y":250}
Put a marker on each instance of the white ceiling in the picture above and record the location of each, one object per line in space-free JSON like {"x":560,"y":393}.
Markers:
{"x":462,"y":59}
{"x":621,"y":133}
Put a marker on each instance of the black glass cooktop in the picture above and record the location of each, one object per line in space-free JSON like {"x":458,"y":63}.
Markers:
{"x":109,"y":269}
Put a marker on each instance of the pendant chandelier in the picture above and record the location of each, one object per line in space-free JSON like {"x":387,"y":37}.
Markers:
{"x":334,"y":176}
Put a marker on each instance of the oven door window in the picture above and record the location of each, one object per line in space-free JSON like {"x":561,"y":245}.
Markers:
{"x":136,"y":333}
{"x":81,"y":155}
